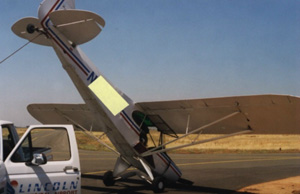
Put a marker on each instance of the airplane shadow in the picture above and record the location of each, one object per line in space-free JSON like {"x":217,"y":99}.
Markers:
{"x":137,"y":186}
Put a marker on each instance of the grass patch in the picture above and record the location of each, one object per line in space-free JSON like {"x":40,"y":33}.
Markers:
{"x":237,"y":144}
{"x":85,"y":142}
{"x":21,"y":131}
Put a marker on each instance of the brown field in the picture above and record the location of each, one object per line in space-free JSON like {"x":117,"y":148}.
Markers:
{"x":236,"y":144}
{"x":241,"y":143}
{"x":21,"y":131}
{"x":247,"y":143}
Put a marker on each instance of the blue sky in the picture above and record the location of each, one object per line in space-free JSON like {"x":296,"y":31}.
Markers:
{"x":161,"y":50}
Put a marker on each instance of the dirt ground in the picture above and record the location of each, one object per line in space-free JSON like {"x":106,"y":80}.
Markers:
{"x":284,"y":186}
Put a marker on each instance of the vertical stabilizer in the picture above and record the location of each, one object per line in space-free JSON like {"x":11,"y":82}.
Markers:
{"x":48,"y":6}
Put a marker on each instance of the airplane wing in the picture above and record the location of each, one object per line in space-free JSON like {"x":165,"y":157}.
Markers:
{"x":263,"y":114}
{"x":66,"y":114}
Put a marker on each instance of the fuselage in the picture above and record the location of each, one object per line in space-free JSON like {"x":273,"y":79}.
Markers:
{"x":121,"y":128}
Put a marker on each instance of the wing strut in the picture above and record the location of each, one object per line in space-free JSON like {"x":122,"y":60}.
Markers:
{"x":187,"y":124}
{"x":153,"y":151}
{"x":87,"y":132}
{"x":196,"y":143}
{"x":147,"y":169}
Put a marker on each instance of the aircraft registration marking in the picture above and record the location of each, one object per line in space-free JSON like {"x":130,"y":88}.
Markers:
{"x":113,"y":101}
{"x":240,"y":161}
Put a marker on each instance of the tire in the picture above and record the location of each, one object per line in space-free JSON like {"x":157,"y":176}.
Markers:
{"x":158,"y":185}
{"x":30,"y":28}
{"x":108,"y":179}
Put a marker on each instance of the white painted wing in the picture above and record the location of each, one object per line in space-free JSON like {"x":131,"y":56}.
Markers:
{"x":77,"y":25}
{"x":66,"y":114}
{"x":19,"y":28}
{"x":264,"y":114}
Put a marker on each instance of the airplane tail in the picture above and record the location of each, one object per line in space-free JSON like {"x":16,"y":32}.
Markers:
{"x":48,"y":6}
{"x":61,"y":26}
{"x":78,"y":25}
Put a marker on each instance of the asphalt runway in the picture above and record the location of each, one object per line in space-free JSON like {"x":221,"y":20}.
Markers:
{"x":211,"y":173}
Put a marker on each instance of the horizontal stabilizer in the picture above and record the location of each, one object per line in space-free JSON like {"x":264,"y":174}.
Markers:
{"x":19,"y":28}
{"x":65,"y":114}
{"x":78,"y":26}
{"x":263,"y":114}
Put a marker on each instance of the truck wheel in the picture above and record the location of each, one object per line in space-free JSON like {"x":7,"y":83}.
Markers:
{"x":158,"y":184}
{"x":108,"y":179}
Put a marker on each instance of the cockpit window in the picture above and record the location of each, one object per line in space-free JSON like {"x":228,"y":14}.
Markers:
{"x":144,"y":123}
{"x":140,"y":117}
{"x":153,"y":122}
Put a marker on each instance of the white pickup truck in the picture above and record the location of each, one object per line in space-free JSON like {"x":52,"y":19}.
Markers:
{"x":45,"y":160}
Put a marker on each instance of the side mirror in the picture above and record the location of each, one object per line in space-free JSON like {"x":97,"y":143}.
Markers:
{"x":38,"y":159}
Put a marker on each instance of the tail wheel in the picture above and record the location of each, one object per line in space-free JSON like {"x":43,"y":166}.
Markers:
{"x":158,"y":185}
{"x":108,"y":179}
{"x":30,"y":28}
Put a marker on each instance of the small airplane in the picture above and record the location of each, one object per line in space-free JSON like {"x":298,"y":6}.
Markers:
{"x":127,"y":123}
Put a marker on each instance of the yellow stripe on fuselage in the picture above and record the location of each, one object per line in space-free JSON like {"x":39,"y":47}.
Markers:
{"x":108,"y":95}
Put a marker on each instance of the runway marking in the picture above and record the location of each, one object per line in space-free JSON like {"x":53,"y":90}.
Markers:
{"x":98,"y":159}
{"x":97,"y":154}
{"x":238,"y":161}
{"x":218,"y":162}
{"x":97,"y":172}
{"x":104,"y":171}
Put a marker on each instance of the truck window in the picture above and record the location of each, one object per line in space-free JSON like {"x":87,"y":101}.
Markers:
{"x":8,"y":141}
{"x":53,"y":142}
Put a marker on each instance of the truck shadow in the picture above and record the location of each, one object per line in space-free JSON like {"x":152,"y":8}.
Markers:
{"x":137,"y":186}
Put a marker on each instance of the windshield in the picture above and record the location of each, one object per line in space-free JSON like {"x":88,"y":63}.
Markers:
{"x":154,"y":123}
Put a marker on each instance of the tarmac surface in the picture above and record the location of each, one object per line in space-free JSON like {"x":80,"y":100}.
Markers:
{"x":211,"y":173}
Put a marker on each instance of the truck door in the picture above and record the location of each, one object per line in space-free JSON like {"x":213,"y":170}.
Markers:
{"x":45,"y":160}
{"x":9,"y":138}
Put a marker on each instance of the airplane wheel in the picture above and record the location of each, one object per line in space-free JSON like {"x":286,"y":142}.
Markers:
{"x":30,"y":28}
{"x":108,"y":179}
{"x":158,"y":185}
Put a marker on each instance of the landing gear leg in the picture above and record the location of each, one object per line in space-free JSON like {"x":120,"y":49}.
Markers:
{"x":158,"y":184}
{"x":108,"y":179}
